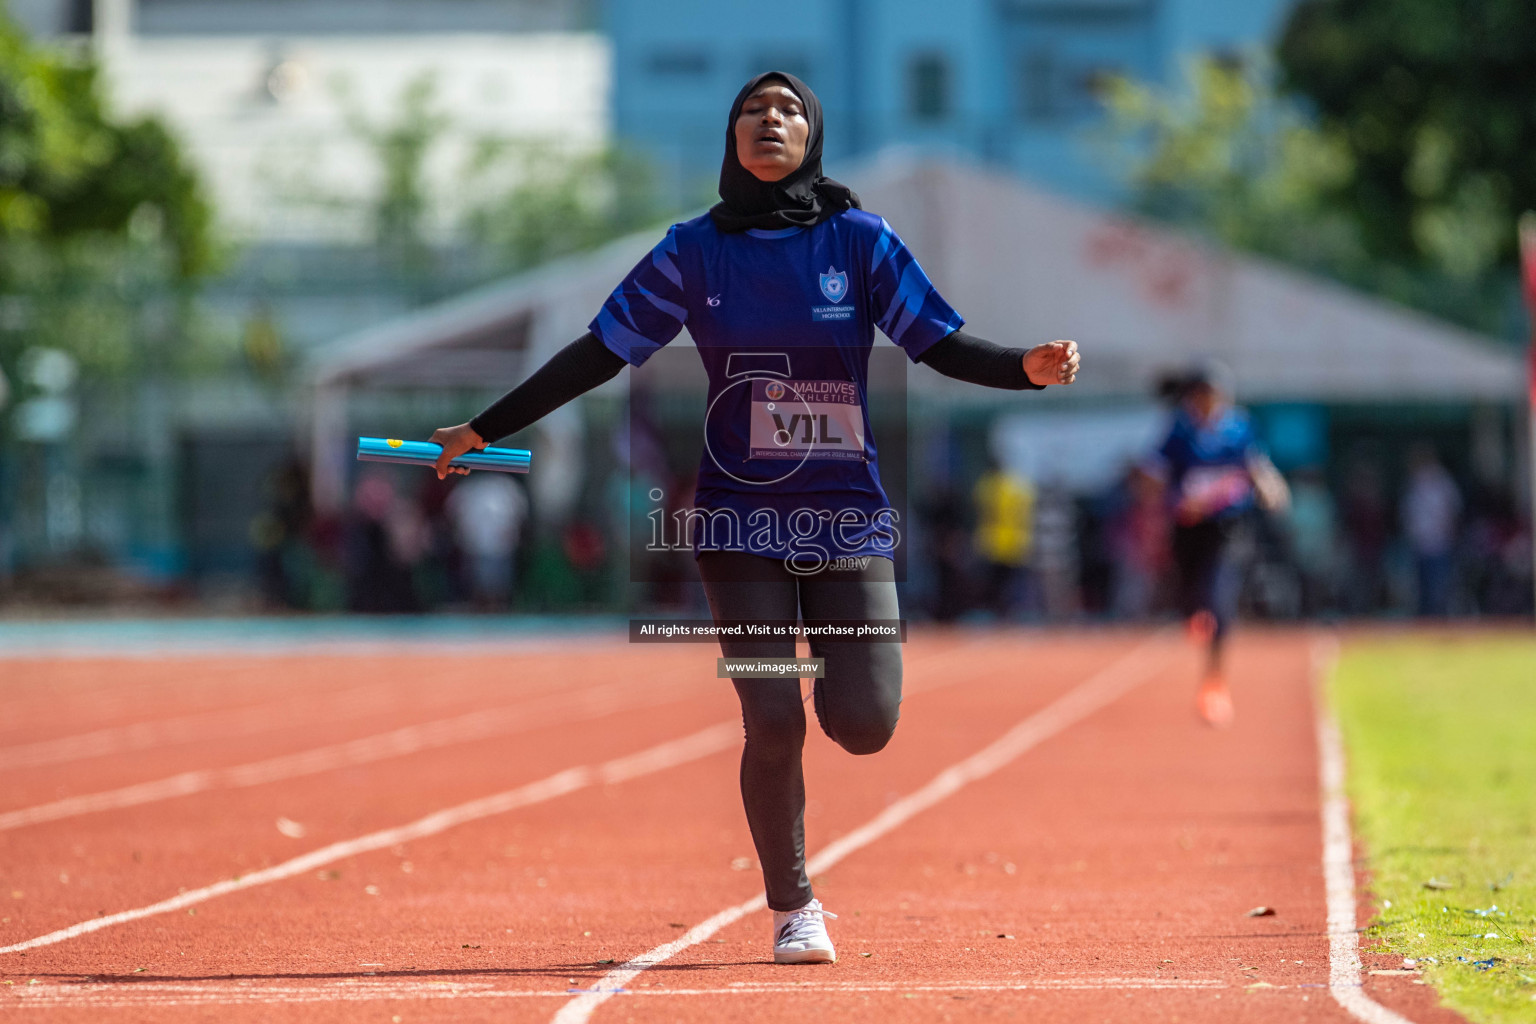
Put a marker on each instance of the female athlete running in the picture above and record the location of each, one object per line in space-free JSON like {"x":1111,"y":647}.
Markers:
{"x":781,"y":285}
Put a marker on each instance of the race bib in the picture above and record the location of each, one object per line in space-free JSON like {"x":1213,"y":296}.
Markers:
{"x":806,"y":419}
{"x":1216,"y":488}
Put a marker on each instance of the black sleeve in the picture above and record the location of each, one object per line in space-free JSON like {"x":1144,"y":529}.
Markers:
{"x":576,"y":369}
{"x":978,"y":361}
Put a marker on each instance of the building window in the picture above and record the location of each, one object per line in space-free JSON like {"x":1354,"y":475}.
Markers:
{"x":1037,"y":85}
{"x":1051,"y":89}
{"x":678,"y":64}
{"x":929,"y":86}
{"x":80,"y":16}
{"x":1063,"y":53}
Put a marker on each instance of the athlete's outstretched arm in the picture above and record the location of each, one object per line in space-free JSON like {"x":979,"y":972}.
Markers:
{"x":978,"y":361}
{"x":1269,"y":486}
{"x":575,"y":369}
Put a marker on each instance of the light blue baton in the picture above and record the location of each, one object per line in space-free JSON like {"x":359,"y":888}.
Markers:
{"x":425,"y":453}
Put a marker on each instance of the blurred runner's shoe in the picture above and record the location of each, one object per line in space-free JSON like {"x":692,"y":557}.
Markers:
{"x":800,"y":936}
{"x":1215,"y":701}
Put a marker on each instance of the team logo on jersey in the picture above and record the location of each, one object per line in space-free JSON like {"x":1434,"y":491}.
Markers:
{"x":834,"y":284}
{"x":774,"y":391}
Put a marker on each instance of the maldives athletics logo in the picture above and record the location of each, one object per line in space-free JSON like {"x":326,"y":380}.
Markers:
{"x":834,"y":285}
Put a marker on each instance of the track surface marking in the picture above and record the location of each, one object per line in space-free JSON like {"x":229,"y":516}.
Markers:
{"x":1097,"y":691}
{"x":1119,"y":858}
{"x":1344,"y":970}
{"x":46,"y":699}
{"x":666,"y":755}
{"x":410,"y":739}
{"x":185,"y":729}
{"x":166,"y":994}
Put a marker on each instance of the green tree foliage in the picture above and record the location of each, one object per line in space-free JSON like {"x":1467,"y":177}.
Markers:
{"x":558,"y":203}
{"x":67,"y":168}
{"x":516,"y":202}
{"x":1226,"y":154}
{"x":1436,"y":102}
{"x":104,"y":230}
{"x":401,"y":145}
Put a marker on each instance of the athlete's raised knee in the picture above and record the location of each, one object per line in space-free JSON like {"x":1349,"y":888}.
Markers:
{"x":868,"y":735}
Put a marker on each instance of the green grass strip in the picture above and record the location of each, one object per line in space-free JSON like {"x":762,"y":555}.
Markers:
{"x":1440,"y":735}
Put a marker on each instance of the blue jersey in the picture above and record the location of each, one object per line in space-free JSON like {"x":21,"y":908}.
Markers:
{"x":1207,"y":464}
{"x":784,"y":321}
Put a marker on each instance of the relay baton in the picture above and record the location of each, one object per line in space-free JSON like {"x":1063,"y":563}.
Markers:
{"x":425,"y":453}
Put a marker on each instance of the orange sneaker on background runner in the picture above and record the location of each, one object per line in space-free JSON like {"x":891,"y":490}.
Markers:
{"x":1215,"y":702}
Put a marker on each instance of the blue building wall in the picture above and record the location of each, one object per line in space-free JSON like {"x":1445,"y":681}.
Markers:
{"x":1008,"y":81}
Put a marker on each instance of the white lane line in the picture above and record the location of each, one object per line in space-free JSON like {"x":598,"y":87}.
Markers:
{"x":716,"y":738}
{"x":1345,"y":978}
{"x":128,"y":994}
{"x":274,"y":711}
{"x":1097,"y":691}
{"x":466,"y":728}
{"x":282,"y":710}
{"x":550,"y":709}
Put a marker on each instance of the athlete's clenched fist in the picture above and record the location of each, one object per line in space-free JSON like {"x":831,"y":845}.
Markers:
{"x":1055,"y":362}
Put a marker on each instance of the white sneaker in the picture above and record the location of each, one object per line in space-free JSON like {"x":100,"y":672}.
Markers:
{"x":800,"y":936}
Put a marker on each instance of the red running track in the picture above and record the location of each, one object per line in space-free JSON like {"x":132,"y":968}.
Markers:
{"x":1099,"y":869}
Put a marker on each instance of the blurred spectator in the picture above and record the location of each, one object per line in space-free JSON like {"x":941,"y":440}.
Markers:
{"x":647,"y":501}
{"x":1097,"y":516}
{"x":1498,"y":547}
{"x":1497,"y":556}
{"x":1430,"y":510}
{"x":948,"y":552}
{"x":386,"y":537}
{"x":1365,"y":529}
{"x":1004,"y":503}
{"x":1056,"y":552}
{"x":1313,"y":523}
{"x":586,"y":552}
{"x":672,"y":572}
{"x":1139,"y":541}
{"x":438,"y":574}
{"x":285,"y":558}
{"x":487,"y":512}
{"x":328,"y":536}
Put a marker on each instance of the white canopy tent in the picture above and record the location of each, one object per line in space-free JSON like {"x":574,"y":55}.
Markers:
{"x":1022,"y":266}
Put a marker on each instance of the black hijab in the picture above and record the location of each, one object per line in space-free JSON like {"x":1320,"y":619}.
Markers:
{"x":803,"y":198}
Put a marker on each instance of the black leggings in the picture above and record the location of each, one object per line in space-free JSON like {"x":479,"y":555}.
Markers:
{"x":1208,"y":574}
{"x":857,"y":702}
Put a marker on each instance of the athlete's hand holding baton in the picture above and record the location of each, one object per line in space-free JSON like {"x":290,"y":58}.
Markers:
{"x":1055,"y":362}
{"x":455,"y":441}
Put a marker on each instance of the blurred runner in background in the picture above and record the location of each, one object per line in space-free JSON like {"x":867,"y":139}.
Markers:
{"x":1215,"y":474}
